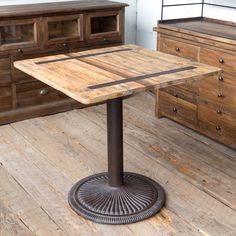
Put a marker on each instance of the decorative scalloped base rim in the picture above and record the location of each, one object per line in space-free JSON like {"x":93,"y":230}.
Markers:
{"x":97,"y":217}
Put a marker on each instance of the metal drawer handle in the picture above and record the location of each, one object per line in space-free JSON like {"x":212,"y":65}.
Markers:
{"x":176,"y":95}
{"x":177,"y":49}
{"x":43,"y":91}
{"x":220,"y":95}
{"x":219,"y":112}
{"x":19,"y":50}
{"x":218,"y":128}
{"x":175,"y":110}
{"x":221,"y":78}
{"x":221,"y":60}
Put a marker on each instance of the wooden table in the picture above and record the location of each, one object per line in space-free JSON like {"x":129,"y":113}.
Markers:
{"x":93,"y":76}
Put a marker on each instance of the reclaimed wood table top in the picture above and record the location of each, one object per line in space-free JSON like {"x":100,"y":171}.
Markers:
{"x":101,"y":74}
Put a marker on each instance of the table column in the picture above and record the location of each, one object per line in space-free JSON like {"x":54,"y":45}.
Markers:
{"x":116,"y":197}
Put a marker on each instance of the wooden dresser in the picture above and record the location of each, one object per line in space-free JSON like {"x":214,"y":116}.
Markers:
{"x":209,"y":105}
{"x":28,"y":31}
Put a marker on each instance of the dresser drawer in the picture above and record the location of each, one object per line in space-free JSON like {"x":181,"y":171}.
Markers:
{"x":5,"y":71}
{"x":5,"y":98}
{"x":180,"y":91}
{"x":223,"y":60}
{"x":178,"y":48}
{"x":187,"y":91}
{"x":226,"y":78}
{"x":34,"y":93}
{"x":224,"y":81}
{"x":223,"y":94}
{"x":219,"y":125}
{"x":177,"y":109}
{"x":19,"y":76}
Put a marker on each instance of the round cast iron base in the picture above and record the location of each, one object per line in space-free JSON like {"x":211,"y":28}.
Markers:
{"x":138,"y":198}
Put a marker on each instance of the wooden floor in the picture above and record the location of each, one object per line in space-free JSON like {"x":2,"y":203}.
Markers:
{"x":40,"y":159}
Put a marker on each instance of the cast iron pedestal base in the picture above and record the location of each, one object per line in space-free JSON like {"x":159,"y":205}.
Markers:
{"x":138,"y":198}
{"x":116,"y":197}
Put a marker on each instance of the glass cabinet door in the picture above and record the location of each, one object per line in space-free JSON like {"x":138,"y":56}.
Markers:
{"x":63,"y":29}
{"x":104,"y":25}
{"x":18,"y":33}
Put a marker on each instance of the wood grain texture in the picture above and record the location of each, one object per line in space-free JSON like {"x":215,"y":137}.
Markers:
{"x":98,"y":75}
{"x":59,"y":7}
{"x":17,"y":208}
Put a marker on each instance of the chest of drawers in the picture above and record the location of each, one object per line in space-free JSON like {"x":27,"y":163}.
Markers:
{"x":207,"y":106}
{"x":34,"y":30}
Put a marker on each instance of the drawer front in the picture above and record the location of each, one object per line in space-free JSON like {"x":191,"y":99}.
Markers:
{"x":225,"y":61}
{"x":63,"y":29}
{"x":223,"y":94}
{"x":19,"y":76}
{"x":178,"y":48}
{"x":177,"y":109}
{"x":105,"y":26}
{"x":220,"y":126}
{"x":226,"y":79}
{"x":6,"y":98}
{"x":5,"y":71}
{"x":35,"y":93}
{"x":180,"y":91}
{"x":19,"y":34}
{"x":187,"y":91}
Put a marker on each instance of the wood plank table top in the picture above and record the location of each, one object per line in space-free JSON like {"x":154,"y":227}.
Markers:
{"x":101,"y":74}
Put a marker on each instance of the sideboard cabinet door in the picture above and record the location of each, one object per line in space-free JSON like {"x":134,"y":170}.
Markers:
{"x":104,"y":26}
{"x":19,"y":34}
{"x":63,"y":29}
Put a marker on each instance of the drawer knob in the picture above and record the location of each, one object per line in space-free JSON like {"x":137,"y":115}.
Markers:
{"x":175,"y":110}
{"x":219,"y":112}
{"x":43,"y":91}
{"x":105,"y":39}
{"x":221,"y":60}
{"x":220,"y":95}
{"x":221,"y":78}
{"x":64,"y":44}
{"x":177,"y":49}
{"x":19,"y":50}
{"x":218,"y":128}
{"x":176,"y":95}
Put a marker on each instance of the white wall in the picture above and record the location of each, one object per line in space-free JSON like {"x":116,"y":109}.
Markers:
{"x":130,"y":20}
{"x":142,"y":16}
{"x":149,"y":12}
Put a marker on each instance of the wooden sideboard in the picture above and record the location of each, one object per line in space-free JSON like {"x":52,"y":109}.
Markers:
{"x":34,"y":30}
{"x":207,"y":106}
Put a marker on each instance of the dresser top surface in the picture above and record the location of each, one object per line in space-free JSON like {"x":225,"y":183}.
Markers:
{"x":207,"y":26}
{"x":57,"y":7}
{"x":101,"y":74}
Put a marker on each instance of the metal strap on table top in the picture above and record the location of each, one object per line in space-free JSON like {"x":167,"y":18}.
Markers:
{"x":141,"y":77}
{"x":117,"y":82}
{"x":69,"y":57}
